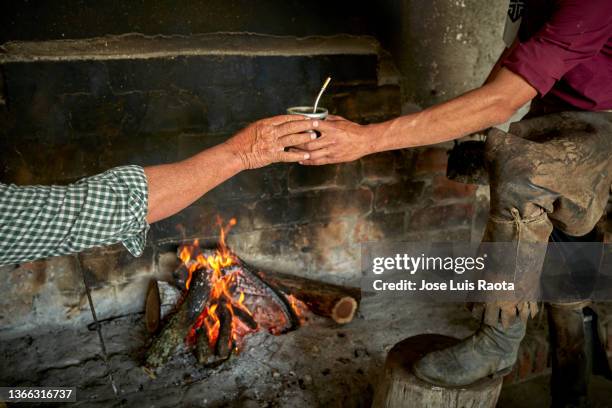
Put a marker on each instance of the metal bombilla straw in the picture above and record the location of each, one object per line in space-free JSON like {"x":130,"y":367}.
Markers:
{"x":323,"y":88}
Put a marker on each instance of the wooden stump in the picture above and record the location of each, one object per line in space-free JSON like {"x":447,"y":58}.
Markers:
{"x":401,"y":388}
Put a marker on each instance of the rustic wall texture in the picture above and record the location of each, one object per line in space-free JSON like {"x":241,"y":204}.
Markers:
{"x":442,"y":47}
{"x":67,"y":118}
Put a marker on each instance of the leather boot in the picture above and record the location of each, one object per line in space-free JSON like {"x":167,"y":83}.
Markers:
{"x":491,"y":351}
{"x":571,"y":370}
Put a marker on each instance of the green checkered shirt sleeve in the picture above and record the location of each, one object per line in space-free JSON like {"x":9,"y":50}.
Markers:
{"x":42,"y":221}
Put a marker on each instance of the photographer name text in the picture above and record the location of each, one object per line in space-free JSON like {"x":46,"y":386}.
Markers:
{"x":452,"y":285}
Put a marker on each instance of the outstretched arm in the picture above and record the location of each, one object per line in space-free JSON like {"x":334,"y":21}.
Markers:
{"x":118,"y":205}
{"x":173,"y":187}
{"x":492,"y":104}
{"x":530,"y":68}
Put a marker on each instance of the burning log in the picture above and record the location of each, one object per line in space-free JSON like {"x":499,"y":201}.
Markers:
{"x":224,"y":343}
{"x":324,"y":299}
{"x":262,"y":286}
{"x":173,"y":335}
{"x":210,"y":351}
{"x":246,"y":318}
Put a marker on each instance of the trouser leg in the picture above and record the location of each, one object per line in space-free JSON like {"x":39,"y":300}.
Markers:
{"x":571,"y":371}
{"x":552,"y":171}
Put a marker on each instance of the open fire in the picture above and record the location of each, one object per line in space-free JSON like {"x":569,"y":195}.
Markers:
{"x":227,"y":297}
{"x":223,"y":300}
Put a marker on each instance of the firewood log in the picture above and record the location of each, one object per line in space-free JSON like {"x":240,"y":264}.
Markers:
{"x":223,"y":348}
{"x":161,"y":299}
{"x":262,"y":286}
{"x":173,"y":335}
{"x":152,"y":307}
{"x":324,"y":299}
{"x":245,"y":318}
{"x":170,"y":297}
{"x":203,"y":352}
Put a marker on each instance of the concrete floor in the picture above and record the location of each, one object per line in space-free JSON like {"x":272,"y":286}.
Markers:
{"x":319,"y":365}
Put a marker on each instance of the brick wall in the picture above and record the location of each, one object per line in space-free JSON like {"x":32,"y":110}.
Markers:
{"x":312,"y":223}
{"x":85,"y":114}
{"x":534,"y":353}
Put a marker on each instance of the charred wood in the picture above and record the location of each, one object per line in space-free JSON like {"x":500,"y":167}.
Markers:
{"x":275,"y":293}
{"x":174,"y":333}
{"x":224,"y":346}
{"x":245,"y":318}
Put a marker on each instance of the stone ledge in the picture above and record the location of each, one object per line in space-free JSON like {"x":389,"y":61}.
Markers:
{"x":139,"y":46}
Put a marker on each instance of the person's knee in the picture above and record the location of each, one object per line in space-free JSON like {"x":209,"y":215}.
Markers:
{"x":511,"y":176}
{"x":519,"y":199}
{"x":576,"y":225}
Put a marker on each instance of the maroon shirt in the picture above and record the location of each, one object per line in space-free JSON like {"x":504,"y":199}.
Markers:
{"x":565,"y":51}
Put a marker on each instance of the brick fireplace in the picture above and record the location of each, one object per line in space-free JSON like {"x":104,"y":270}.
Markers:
{"x":77,"y":107}
{"x":93,"y":95}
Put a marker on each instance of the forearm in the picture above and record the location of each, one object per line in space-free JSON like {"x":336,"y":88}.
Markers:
{"x":490,"y":105}
{"x":174,"y":186}
{"x":450,"y":120}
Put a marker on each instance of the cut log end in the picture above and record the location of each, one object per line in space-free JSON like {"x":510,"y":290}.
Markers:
{"x":344,"y":310}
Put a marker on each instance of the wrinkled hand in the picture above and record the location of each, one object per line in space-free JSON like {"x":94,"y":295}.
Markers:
{"x":341,"y":141}
{"x":264,"y":142}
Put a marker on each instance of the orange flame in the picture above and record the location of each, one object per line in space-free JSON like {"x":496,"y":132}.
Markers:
{"x":222,"y":270}
{"x":220,"y":282}
{"x":298,"y":307}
